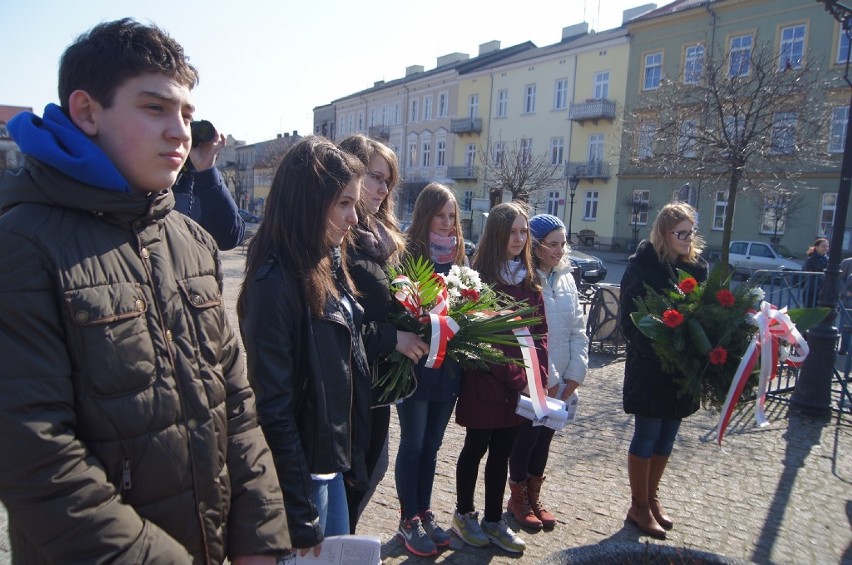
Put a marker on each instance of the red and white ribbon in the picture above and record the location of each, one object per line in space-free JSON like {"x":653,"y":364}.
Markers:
{"x":773,"y":324}
{"x":443,"y":326}
{"x":530,"y":356}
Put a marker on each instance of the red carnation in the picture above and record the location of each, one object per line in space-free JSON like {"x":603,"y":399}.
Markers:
{"x":687,"y":285}
{"x":725,"y":297}
{"x":470,"y":293}
{"x":672,"y":318}
{"x":718,"y":355}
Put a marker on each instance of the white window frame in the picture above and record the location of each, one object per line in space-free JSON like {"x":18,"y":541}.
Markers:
{"x":412,"y":151}
{"x":771,"y":205}
{"x":827,"y":213}
{"x":645,"y":140}
{"x":441,"y":153}
{"x":560,"y":94}
{"x":360,"y":120}
{"x":466,"y":201}
{"x":590,"y":205}
{"x":443,"y":98}
{"x":720,"y":206}
{"x":473,"y":106}
{"x":427,"y":108}
{"x":498,"y":152}
{"x":739,"y":58}
{"x":792,"y":48}
{"x":470,"y":155}
{"x":426,"y":152}
{"x":597,"y":144}
{"x":412,"y":110}
{"x":601,"y":89}
{"x":782,"y":140}
{"x":640,"y":217}
{"x":529,"y":99}
{"x":502,"y":103}
{"x":652,"y":70}
{"x":557,"y":151}
{"x":839,"y":125}
{"x":526,"y":150}
{"x":397,"y":113}
{"x":686,"y":141}
{"x":553,"y":198}
{"x":693,"y":64}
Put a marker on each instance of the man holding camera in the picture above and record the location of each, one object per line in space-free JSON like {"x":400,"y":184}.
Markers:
{"x":200,"y":190}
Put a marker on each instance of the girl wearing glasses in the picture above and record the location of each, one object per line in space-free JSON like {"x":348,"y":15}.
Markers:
{"x":435,"y":234}
{"x":567,"y":348}
{"x":488,"y":397}
{"x":651,"y":394}
{"x":376,"y":242}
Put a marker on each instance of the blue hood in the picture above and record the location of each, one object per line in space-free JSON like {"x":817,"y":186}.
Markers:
{"x":56,"y":141}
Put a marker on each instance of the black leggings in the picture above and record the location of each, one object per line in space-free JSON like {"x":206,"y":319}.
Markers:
{"x":498,"y":443}
{"x":529,"y":456}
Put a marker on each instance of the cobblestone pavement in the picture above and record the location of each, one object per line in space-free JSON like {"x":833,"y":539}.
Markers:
{"x":779,"y":494}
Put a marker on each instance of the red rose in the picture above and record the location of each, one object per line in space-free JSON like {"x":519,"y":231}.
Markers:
{"x":718,"y":355}
{"x":725,"y":297}
{"x":672,"y":318}
{"x":687,"y":285}
{"x":470,"y":294}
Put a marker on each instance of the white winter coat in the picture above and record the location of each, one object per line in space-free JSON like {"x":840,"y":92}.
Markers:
{"x":567,"y":342}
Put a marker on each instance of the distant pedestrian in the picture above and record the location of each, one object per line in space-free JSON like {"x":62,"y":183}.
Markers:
{"x":651,"y":394}
{"x":816,"y":262}
{"x":568,"y":361}
{"x":489,"y":397}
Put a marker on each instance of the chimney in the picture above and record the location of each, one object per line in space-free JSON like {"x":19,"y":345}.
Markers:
{"x":378,"y":83}
{"x":489,"y":47}
{"x":452,"y":58}
{"x":575,"y":30}
{"x":413,"y":70}
{"x":295,"y":133}
{"x":628,"y":15}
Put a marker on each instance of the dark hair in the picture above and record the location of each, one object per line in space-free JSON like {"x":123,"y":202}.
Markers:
{"x":102,"y":59}
{"x":490,"y":256}
{"x":429,"y":202}
{"x":365,"y":148}
{"x":308,"y":182}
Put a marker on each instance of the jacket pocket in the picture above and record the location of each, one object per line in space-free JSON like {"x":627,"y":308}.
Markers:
{"x":204,"y":300}
{"x":114,"y":350}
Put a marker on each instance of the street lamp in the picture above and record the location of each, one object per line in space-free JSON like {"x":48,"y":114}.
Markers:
{"x":813,"y":388}
{"x":573,"y":181}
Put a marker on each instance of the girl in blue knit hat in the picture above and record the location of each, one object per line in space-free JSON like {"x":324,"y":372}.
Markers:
{"x":568,"y":361}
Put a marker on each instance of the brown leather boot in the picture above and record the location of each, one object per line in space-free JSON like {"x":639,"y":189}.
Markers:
{"x":548,"y":520}
{"x":640,"y":511}
{"x":519,"y":506}
{"x":658,"y":466}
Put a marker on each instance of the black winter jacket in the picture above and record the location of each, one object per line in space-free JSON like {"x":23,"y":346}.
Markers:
{"x":648,"y":391}
{"x":127,"y":426}
{"x":303,"y":374}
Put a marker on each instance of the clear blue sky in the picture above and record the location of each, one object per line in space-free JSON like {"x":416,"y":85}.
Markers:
{"x":265,"y":65}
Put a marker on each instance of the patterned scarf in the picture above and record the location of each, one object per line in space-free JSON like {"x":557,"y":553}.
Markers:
{"x":513,"y":272}
{"x":442,"y":249}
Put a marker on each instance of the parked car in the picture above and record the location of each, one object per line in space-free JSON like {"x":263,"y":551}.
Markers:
{"x":746,"y":257}
{"x":592,"y":269}
{"x":469,"y":247}
{"x":248,"y":217}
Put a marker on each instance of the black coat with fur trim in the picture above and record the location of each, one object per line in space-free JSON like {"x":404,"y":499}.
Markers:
{"x":648,"y":390}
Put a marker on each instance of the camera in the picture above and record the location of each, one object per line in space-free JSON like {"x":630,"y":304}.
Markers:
{"x":202,"y":132}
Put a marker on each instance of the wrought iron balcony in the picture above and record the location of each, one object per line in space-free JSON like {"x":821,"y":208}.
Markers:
{"x":593,"y":110}
{"x":466,"y":172}
{"x":466,"y":125}
{"x":589,"y":170}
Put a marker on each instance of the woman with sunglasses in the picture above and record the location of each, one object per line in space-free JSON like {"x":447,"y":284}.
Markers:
{"x":650,"y":393}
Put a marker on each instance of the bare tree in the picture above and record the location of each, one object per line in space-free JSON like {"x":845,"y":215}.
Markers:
{"x":747,"y":118}
{"x":515,"y":169}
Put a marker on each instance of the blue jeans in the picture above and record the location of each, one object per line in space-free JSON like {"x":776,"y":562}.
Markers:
{"x":330,"y":499}
{"x":653,"y":436}
{"x":422,"y":424}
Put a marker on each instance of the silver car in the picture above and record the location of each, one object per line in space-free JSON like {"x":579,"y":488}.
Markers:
{"x":746,"y":257}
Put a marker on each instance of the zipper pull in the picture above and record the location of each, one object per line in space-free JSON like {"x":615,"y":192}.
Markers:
{"x":125,"y":475}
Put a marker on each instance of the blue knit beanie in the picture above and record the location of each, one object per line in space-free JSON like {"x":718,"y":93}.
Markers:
{"x":543,"y":224}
